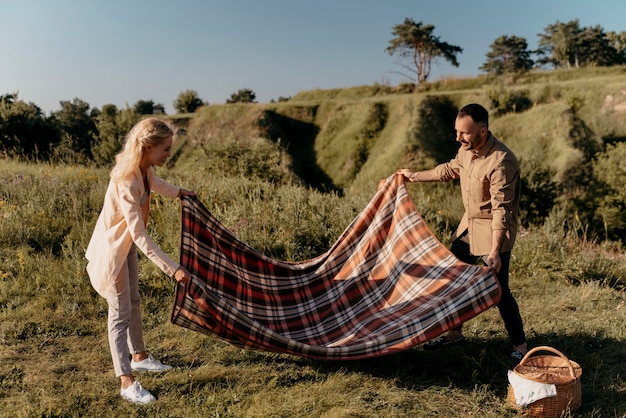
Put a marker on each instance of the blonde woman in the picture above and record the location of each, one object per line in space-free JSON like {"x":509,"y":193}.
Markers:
{"x":112,"y":251}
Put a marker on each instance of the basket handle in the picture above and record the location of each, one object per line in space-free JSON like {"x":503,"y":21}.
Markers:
{"x":552,"y":350}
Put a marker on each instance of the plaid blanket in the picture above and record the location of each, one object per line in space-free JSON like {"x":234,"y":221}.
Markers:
{"x":386,"y":284}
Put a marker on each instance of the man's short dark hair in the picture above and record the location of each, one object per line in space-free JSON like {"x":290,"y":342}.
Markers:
{"x":475,"y":111}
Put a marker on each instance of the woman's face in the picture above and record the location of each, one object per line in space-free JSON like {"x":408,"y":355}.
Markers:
{"x":157,"y":154}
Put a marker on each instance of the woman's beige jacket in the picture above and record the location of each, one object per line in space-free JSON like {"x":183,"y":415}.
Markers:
{"x":122,"y":221}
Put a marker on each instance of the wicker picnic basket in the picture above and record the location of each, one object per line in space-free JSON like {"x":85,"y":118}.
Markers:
{"x":551,"y":369}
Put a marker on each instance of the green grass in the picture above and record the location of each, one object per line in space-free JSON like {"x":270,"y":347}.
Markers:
{"x":247,"y":164}
{"x":54,"y":357}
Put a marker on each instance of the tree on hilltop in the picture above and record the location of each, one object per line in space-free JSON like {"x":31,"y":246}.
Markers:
{"x":558,"y":44}
{"x":416,"y":43}
{"x":509,"y":54}
{"x":598,"y":48}
{"x":242,"y":96}
{"x":568,"y":45}
{"x":618,"y":41}
{"x":148,"y":107}
{"x":188,"y":102}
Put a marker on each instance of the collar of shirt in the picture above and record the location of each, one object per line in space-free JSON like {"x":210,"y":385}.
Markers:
{"x":484,"y":150}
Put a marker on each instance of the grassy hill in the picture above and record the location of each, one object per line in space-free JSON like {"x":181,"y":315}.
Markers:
{"x":352,"y":136}
{"x":287,"y":178}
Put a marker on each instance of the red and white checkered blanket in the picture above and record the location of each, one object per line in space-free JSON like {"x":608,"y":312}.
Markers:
{"x":386,"y":284}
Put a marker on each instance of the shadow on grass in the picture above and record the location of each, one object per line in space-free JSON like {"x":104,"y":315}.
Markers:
{"x":298,"y":139}
{"x":476,"y":363}
{"x":480,"y":363}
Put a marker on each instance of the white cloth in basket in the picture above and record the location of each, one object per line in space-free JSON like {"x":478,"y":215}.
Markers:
{"x":527,"y":391}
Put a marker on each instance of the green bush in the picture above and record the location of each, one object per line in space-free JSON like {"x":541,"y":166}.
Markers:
{"x":610,"y":173}
{"x":538,"y":192}
{"x":547,"y":93}
{"x":233,"y":144}
{"x":113,"y":125}
{"x":505,"y":100}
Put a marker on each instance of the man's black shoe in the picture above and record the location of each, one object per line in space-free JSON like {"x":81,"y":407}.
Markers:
{"x":442,"y":342}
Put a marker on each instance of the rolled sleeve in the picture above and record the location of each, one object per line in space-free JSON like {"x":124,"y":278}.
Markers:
{"x":448,"y":171}
{"x":129,"y":197}
{"x":503,"y":189}
{"x":162,"y":187}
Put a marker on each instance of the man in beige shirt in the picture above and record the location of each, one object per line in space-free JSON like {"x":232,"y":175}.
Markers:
{"x":490,"y":187}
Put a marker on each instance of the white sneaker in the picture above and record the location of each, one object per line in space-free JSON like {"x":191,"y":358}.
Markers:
{"x":137,"y":395}
{"x":149,"y":364}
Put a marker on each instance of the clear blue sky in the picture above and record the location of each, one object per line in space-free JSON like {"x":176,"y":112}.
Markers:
{"x":122,"y":51}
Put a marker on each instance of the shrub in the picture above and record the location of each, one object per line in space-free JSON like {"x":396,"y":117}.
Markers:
{"x":25,"y":132}
{"x":545,"y":94}
{"x":232,"y":140}
{"x":113,"y":125}
{"x":610,"y":172}
{"x":242,"y":96}
{"x":188,"y":101}
{"x":505,"y":100}
{"x":538,"y":192}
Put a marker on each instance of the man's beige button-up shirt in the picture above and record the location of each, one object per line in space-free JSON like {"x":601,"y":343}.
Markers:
{"x":490,"y":187}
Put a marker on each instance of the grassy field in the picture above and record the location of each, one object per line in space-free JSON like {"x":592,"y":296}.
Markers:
{"x":54,"y":357}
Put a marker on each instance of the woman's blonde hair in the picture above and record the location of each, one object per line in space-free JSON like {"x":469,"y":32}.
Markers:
{"x":148,"y":132}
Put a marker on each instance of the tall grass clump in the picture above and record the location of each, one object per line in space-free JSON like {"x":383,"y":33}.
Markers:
{"x":350,"y":93}
{"x":285,"y":222}
{"x":506,"y":100}
{"x":42,"y":204}
{"x":453,"y":83}
{"x":563,"y":251}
